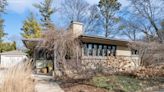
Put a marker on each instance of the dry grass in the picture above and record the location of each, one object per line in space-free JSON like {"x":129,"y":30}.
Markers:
{"x":18,"y":79}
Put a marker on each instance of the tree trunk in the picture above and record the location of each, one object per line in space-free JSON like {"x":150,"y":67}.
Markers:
{"x":55,"y":61}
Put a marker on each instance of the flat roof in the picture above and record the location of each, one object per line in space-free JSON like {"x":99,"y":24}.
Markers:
{"x":83,"y":38}
{"x":32,"y":42}
{"x":103,"y":40}
{"x":15,"y":52}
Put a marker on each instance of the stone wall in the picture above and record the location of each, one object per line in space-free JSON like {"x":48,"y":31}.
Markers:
{"x":110,"y":64}
{"x":89,"y":66}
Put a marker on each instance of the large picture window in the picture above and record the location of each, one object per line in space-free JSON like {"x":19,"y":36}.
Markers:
{"x":91,"y":49}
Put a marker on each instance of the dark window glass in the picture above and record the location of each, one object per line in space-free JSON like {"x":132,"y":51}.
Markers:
{"x":95,"y":50}
{"x":105,"y":50}
{"x":100,"y":50}
{"x":113,"y":50}
{"x":135,"y":52}
{"x":90,"y":49}
{"x":85,"y":50}
{"x":109,"y":50}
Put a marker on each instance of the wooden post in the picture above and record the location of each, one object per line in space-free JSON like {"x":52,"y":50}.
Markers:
{"x":55,"y":63}
{"x":55,"y":60}
{"x":77,"y":52}
{"x":34,"y":60}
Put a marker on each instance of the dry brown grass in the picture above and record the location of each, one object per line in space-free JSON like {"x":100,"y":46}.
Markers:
{"x":18,"y":79}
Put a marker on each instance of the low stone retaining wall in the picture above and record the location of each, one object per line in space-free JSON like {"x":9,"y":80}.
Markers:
{"x":91,"y":65}
{"x":115,"y":64}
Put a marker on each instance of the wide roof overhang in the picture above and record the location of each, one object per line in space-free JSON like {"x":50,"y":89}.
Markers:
{"x":103,"y":40}
{"x":33,"y":42}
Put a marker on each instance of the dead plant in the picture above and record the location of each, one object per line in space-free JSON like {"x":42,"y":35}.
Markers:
{"x":149,"y":53}
{"x":18,"y":79}
{"x":64,"y":47}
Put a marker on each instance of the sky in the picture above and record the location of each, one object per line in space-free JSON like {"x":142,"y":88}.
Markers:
{"x":18,"y":10}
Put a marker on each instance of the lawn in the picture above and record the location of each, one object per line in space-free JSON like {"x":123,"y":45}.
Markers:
{"x":117,"y":83}
{"x":113,"y":83}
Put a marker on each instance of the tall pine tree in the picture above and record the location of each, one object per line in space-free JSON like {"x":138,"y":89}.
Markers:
{"x":2,"y":33}
{"x":108,"y":9}
{"x":31,"y":28}
{"x":46,"y":10}
{"x":3,"y":4}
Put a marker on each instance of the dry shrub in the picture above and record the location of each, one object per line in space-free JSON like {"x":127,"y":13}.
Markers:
{"x":18,"y":79}
{"x":149,"y":53}
{"x":145,"y":73}
{"x":63,"y":46}
{"x":148,"y":72}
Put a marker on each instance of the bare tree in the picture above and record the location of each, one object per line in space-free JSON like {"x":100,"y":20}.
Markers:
{"x":108,"y":9}
{"x":75,"y":10}
{"x":150,"y":13}
{"x":131,"y":29}
{"x":91,"y":21}
{"x":63,"y":46}
{"x":149,"y":53}
{"x":81,"y":11}
{"x":162,"y":31}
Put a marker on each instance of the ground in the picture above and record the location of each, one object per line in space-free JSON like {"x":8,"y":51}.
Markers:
{"x":44,"y":83}
{"x":114,"y":83}
{"x":96,"y":84}
{"x":84,"y":88}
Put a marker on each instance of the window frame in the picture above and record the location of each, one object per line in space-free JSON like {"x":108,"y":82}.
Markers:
{"x":102,"y":50}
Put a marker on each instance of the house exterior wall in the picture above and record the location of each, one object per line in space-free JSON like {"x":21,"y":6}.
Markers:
{"x":123,"y":51}
{"x":7,"y":61}
{"x":127,"y":54}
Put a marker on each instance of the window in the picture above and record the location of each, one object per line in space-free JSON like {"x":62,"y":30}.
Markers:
{"x":105,"y":50}
{"x":134,"y":52}
{"x":90,"y":49}
{"x":109,"y":50}
{"x":113,"y":50}
{"x":95,"y":50}
{"x":99,"y":50}
{"x":85,"y":49}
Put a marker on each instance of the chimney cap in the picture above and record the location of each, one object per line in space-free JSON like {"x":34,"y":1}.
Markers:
{"x":74,"y":22}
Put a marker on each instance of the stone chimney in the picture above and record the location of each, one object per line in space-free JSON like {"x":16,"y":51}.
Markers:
{"x":76,"y":28}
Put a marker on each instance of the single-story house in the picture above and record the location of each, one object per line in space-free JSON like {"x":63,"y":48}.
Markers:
{"x":95,"y":47}
{"x":11,"y":58}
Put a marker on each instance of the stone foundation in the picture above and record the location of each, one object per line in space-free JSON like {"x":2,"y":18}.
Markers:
{"x":112,"y":64}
